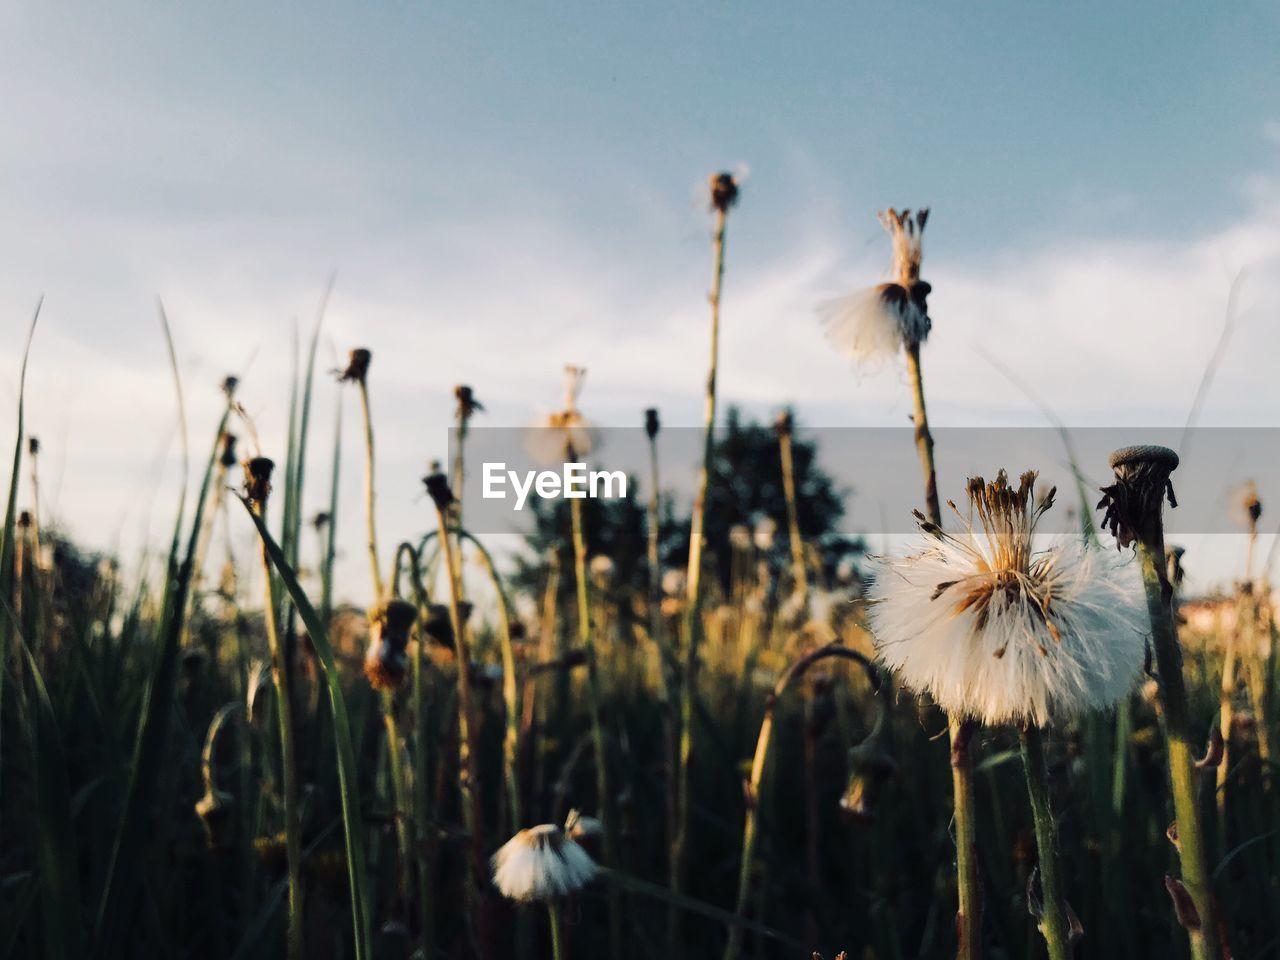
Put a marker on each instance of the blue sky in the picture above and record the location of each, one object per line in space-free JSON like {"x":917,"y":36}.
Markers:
{"x":505,"y":189}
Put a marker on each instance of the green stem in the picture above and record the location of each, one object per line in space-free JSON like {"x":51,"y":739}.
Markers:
{"x":1054,"y":925}
{"x":282,"y":674}
{"x":608,"y":819}
{"x":557,"y":937}
{"x":688,"y":685}
{"x":399,"y":797}
{"x":1182,"y":772}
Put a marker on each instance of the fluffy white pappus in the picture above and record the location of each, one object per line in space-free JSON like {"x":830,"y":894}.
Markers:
{"x":870,"y":327}
{"x":540,"y":864}
{"x":1072,"y":642}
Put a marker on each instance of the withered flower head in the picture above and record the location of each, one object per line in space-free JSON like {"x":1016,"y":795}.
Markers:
{"x":651,"y":424}
{"x":321,"y":520}
{"x":873,"y":325}
{"x":565,"y":434}
{"x":439,"y":624}
{"x":357,"y":366}
{"x":33,"y":446}
{"x":229,"y":385}
{"x":386,"y":662}
{"x":784,"y":423}
{"x":228,"y":457}
{"x":871,"y":766}
{"x":1002,"y":629}
{"x":1248,"y":506}
{"x":438,"y":489}
{"x":1134,"y":503}
{"x":257,"y":479}
{"x":24,"y":519}
{"x":467,"y":402}
{"x":724,"y":191}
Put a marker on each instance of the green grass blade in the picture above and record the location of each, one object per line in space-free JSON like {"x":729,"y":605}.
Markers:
{"x":119,"y":893}
{"x":55,"y":835}
{"x":7,"y":546}
{"x":347,"y":772}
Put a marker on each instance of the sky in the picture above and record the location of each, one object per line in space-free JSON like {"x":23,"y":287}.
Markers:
{"x":503,"y":189}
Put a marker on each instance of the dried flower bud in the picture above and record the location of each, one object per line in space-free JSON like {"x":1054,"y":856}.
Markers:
{"x":438,"y":489}
{"x":357,"y":370}
{"x":651,"y":424}
{"x":257,"y":479}
{"x":782,"y":426}
{"x":870,"y":768}
{"x":439,"y":623}
{"x":386,"y":662}
{"x":228,"y":457}
{"x":724,"y":191}
{"x":229,"y":385}
{"x":467,"y":402}
{"x":321,"y":520}
{"x":33,"y":446}
{"x":1134,"y":503}
{"x":24,"y":519}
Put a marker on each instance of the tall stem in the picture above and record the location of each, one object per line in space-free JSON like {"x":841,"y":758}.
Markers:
{"x":557,"y":937}
{"x":468,"y":769}
{"x":1054,"y":925}
{"x":692,"y":621}
{"x":370,"y":513}
{"x":599,"y":742}
{"x":969,"y":907}
{"x":1182,"y":772}
{"x":282,"y":672}
{"x":799,"y":569}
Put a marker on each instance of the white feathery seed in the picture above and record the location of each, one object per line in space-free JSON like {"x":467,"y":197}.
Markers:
{"x":870,"y":328}
{"x":565,"y":431}
{"x":540,"y":864}
{"x":994,"y":629}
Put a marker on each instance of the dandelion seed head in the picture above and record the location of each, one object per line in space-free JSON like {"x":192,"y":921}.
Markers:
{"x":563,"y":435}
{"x":540,"y":864}
{"x":997,"y":630}
{"x":723,"y":188}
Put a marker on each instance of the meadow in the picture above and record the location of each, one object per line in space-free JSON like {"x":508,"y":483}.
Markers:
{"x":722,"y":733}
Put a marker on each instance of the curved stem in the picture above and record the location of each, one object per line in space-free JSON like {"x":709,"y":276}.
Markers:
{"x":1055,"y":925}
{"x":751,"y":827}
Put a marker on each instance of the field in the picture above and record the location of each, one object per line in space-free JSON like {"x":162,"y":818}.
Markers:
{"x":767,"y":742}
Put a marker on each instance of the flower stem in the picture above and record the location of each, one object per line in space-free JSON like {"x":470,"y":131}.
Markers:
{"x":468,"y":767}
{"x":1055,"y":926}
{"x":599,"y":742}
{"x":693,"y":596}
{"x":969,"y":907}
{"x":557,"y":939}
{"x":370,"y":514}
{"x":798,"y":565}
{"x":1182,"y":773}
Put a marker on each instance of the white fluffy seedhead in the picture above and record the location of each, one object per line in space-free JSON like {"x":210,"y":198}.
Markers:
{"x":872,"y":326}
{"x":564,"y":434}
{"x":995,"y":629}
{"x":540,"y":864}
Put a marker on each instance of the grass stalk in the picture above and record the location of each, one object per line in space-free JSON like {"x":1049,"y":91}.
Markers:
{"x":371,"y":519}
{"x":799,"y":569}
{"x":599,"y":741}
